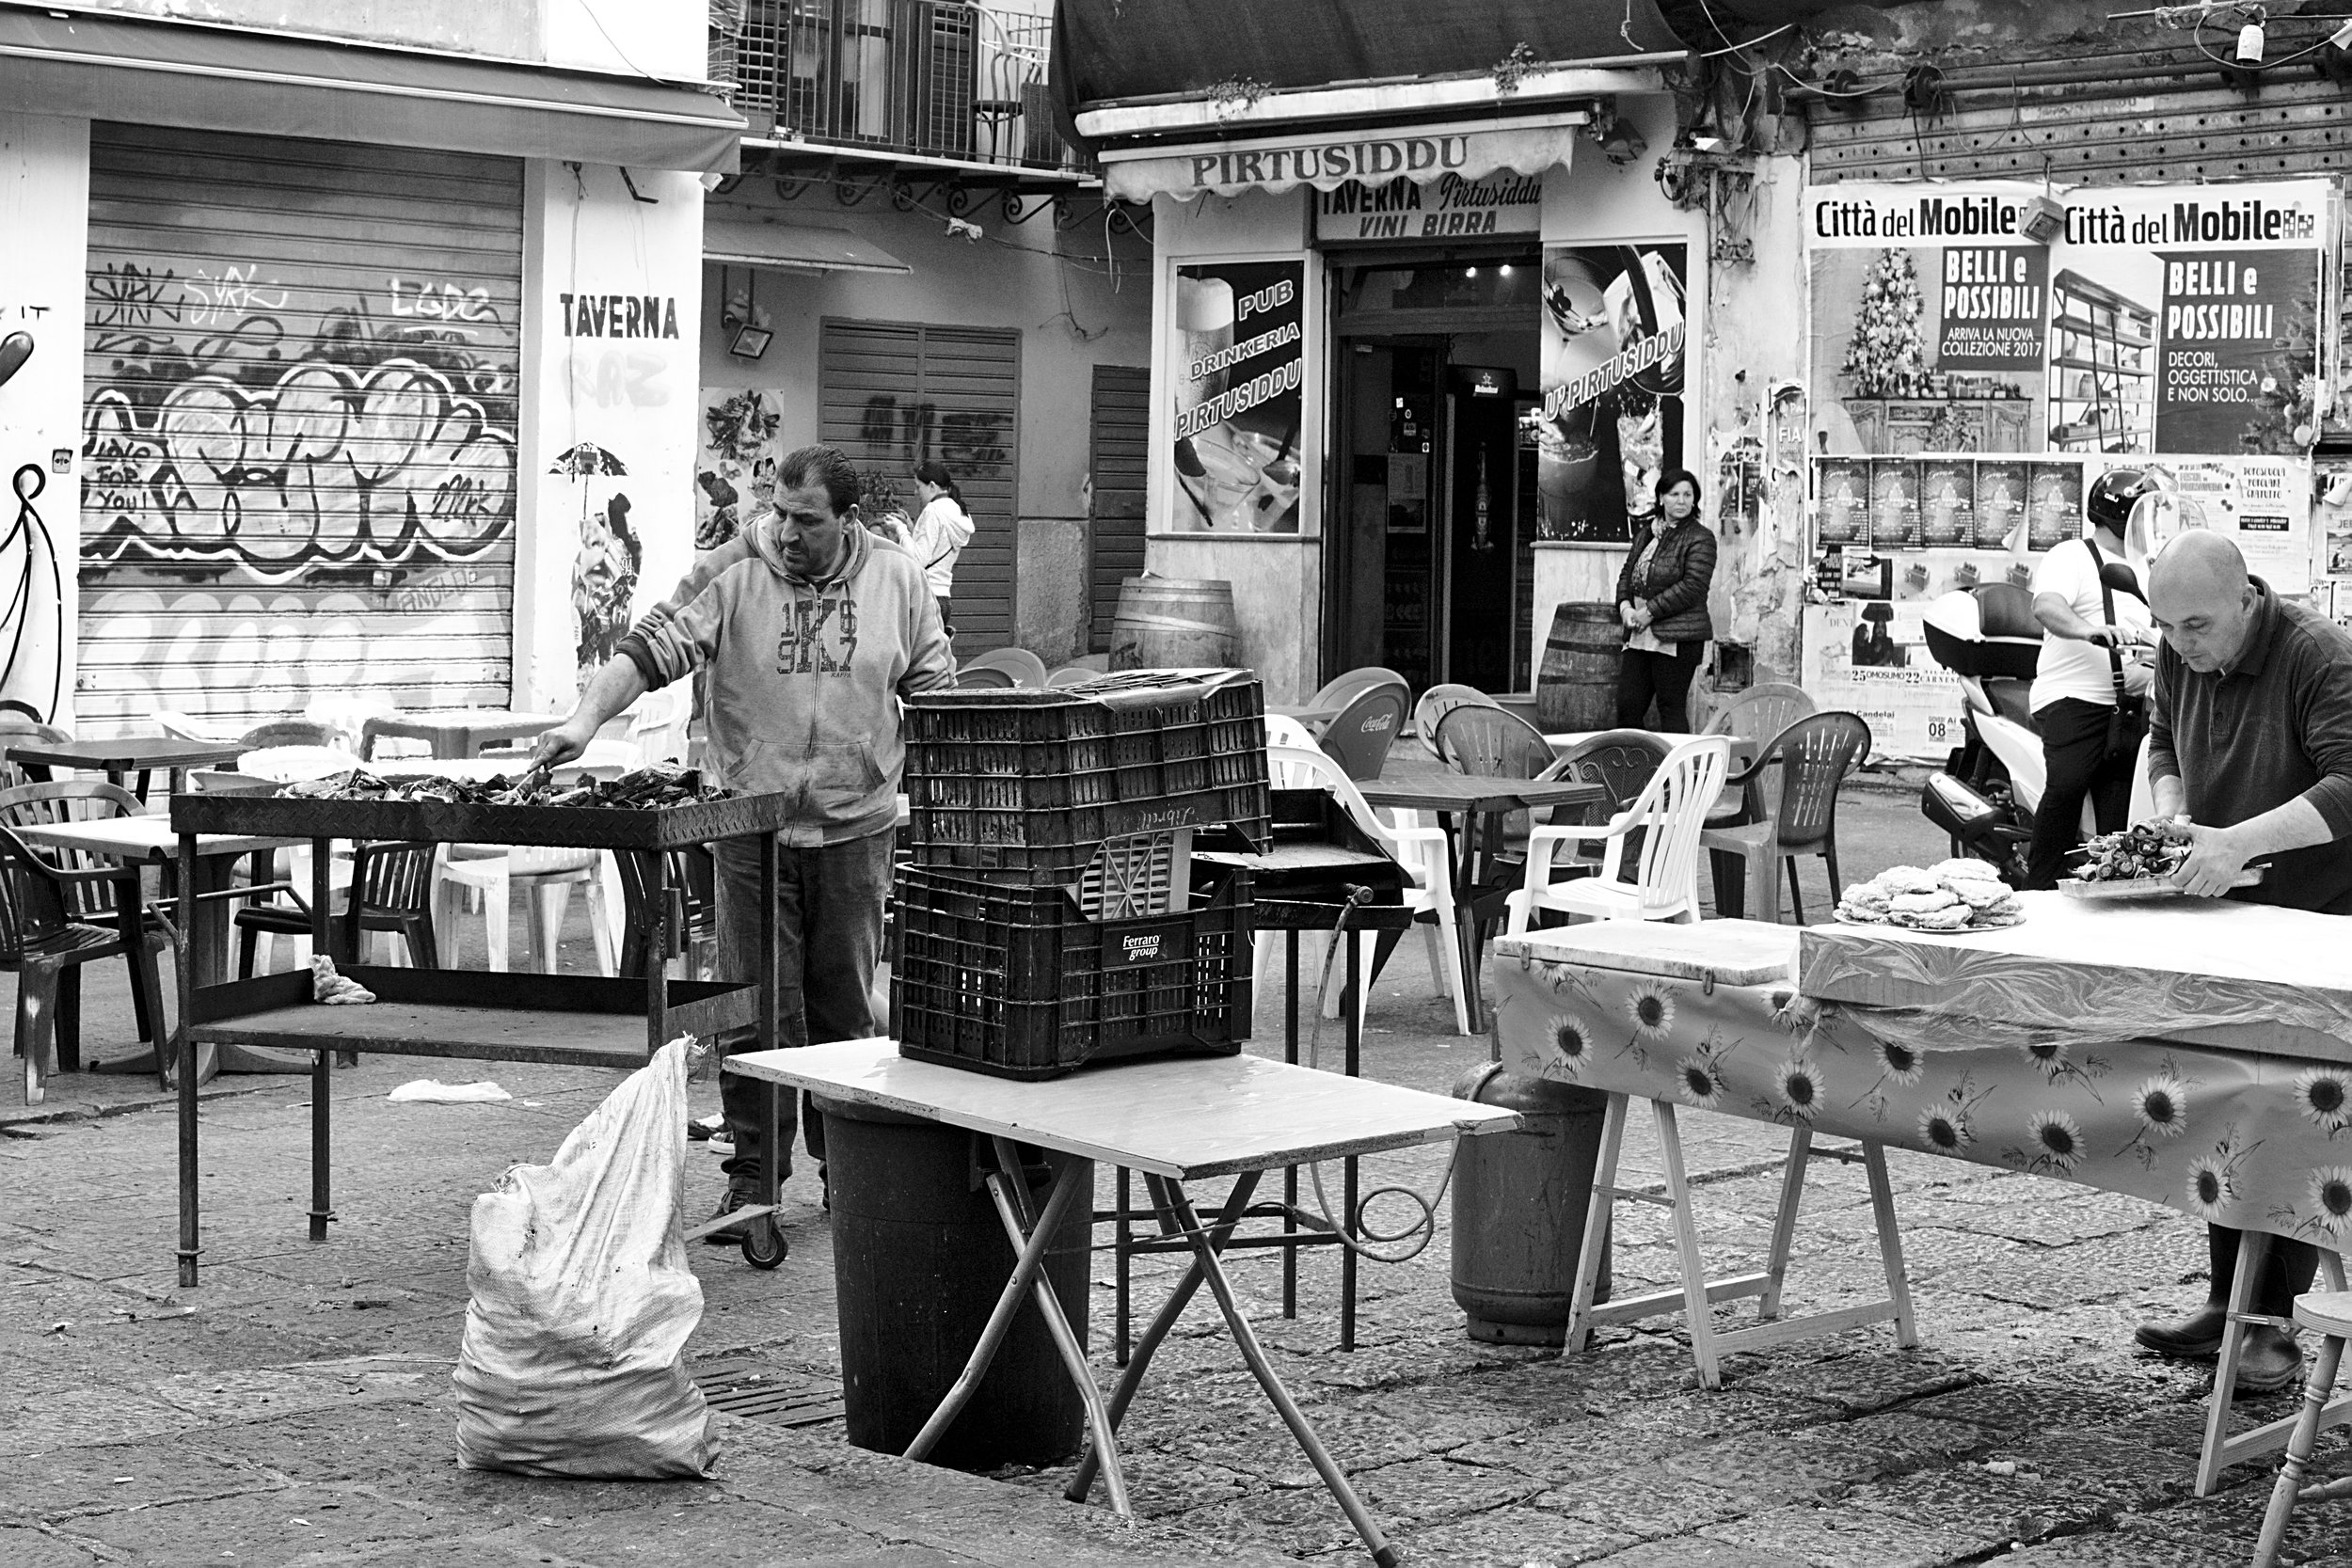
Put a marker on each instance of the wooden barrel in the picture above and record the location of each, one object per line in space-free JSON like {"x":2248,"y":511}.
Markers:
{"x":1175,"y":624}
{"x":1577,"y":686}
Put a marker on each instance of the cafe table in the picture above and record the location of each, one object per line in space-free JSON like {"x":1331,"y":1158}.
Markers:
{"x":458,"y":732}
{"x":1177,"y":1120}
{"x":2192,"y":1052}
{"x":120,"y":758}
{"x":1472,"y":807}
{"x":150,"y":841}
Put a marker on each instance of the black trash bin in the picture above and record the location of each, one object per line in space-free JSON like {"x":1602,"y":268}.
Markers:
{"x":919,"y":1259}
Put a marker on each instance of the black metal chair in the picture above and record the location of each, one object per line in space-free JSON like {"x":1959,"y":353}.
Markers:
{"x":45,"y":942}
{"x":112,"y":891}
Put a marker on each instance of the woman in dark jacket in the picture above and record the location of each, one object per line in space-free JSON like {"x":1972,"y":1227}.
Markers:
{"x":1662,"y":599}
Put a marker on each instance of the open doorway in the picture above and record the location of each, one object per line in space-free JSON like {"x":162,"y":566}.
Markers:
{"x":1430,"y":561}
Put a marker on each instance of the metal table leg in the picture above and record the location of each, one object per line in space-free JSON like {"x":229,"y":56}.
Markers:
{"x":1237,"y":1203}
{"x":1333,"y":1477}
{"x":1026,"y":1270}
{"x":1011,"y":1190}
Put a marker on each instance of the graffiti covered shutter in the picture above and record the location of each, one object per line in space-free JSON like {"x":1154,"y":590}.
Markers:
{"x":298,"y":437}
{"x":893,"y":394}
{"x":1120,"y":450}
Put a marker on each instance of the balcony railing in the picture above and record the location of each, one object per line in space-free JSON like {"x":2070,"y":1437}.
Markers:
{"x":934,"y":78}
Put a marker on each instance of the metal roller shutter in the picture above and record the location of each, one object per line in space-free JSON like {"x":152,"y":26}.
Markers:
{"x":1121,"y":449}
{"x":302,"y":362}
{"x":2127,"y":112}
{"x":893,"y":394}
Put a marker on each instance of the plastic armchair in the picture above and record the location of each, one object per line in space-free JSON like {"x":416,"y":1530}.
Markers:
{"x":1437,"y":703}
{"x":1499,"y":744}
{"x":1282,"y":730}
{"x":45,"y":943}
{"x":183,"y":726}
{"x":1813,"y":757}
{"x":985,"y":678}
{"x":389,"y":893}
{"x":1342,"y":690}
{"x":1070,"y":675}
{"x":1420,"y":850}
{"x":1670,"y":812}
{"x":1024,"y":667}
{"x":1762,"y":711}
{"x":1360,"y":735}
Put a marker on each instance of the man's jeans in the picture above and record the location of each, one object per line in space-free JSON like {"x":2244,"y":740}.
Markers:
{"x":829,"y":926}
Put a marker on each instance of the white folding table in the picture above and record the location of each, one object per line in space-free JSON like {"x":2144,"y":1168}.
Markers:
{"x":1176,"y":1121}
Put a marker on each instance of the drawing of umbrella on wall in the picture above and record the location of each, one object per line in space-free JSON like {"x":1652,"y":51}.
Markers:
{"x":586,"y":461}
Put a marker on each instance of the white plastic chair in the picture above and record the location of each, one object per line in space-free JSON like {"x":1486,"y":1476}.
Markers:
{"x":182,"y":726}
{"x":1281,"y":730}
{"x":1672,"y":811}
{"x":1420,"y":850}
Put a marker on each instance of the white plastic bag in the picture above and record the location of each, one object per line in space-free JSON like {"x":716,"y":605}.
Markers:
{"x":582,"y":1302}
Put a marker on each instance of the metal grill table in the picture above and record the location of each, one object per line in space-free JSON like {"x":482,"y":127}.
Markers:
{"x":584,"y":1020}
{"x":1175,"y":1120}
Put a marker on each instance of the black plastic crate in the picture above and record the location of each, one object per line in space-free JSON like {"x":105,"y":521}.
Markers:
{"x":1023,"y":784}
{"x":1016,"y":981}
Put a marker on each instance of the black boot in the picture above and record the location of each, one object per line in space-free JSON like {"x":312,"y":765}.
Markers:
{"x":2269,"y":1361}
{"x":2195,"y":1338}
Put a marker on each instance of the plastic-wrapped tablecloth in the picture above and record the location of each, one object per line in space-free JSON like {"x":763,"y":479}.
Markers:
{"x":2248,"y":1139}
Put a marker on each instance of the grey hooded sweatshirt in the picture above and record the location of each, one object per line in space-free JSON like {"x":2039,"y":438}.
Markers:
{"x":806,"y":675}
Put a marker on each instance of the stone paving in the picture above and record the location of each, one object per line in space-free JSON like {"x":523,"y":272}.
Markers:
{"x":295,"y":1407}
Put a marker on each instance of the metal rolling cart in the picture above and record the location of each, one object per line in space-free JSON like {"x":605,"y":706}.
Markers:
{"x":585,"y":1019}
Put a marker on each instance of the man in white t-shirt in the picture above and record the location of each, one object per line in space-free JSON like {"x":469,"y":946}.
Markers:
{"x":2074,"y":686}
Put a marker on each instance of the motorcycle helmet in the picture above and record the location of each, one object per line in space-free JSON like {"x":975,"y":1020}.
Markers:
{"x":2115,"y":493}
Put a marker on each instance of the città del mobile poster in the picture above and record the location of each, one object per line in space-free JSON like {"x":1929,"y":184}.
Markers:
{"x":2173,"y":319}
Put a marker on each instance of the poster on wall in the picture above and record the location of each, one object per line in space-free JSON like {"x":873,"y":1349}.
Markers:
{"x":1612,"y":415}
{"x":735,"y":462}
{"x":2163,"y":319}
{"x":1237,"y":359}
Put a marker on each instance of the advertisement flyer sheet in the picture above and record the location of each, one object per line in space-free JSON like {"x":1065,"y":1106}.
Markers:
{"x":2181,"y":319}
{"x":1611,"y":416}
{"x":1238,"y":355}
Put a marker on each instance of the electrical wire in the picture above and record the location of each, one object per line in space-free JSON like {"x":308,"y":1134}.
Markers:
{"x":613,"y":44}
{"x":2197,"y":36}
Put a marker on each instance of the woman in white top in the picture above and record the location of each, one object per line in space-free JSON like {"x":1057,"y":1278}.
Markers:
{"x":2073,"y":685}
{"x":941,"y":532}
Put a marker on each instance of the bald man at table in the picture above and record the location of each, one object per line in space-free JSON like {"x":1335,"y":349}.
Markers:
{"x":2250,"y":736}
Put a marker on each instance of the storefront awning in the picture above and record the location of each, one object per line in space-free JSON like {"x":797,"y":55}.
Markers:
{"x":794,"y":248}
{"x":1121,"y":50}
{"x":231,"y":79}
{"x":1467,"y":150}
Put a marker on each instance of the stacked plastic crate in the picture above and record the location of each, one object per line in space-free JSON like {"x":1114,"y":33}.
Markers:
{"x":1049,"y":917}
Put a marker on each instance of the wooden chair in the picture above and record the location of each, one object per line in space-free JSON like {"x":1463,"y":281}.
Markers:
{"x":45,"y":940}
{"x":1360,"y":735}
{"x":1342,"y":690}
{"x":1671,"y":810}
{"x":2327,"y":1314}
{"x":1437,"y":703}
{"x":1024,"y":667}
{"x":391,"y":888}
{"x":1813,"y":757}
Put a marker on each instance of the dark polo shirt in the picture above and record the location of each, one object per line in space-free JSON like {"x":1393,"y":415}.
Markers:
{"x":2273,"y":727}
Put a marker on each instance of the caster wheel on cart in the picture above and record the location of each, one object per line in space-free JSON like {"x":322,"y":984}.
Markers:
{"x":763,"y":1245}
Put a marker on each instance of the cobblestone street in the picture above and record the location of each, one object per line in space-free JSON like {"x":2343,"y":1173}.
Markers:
{"x":295,"y":1407}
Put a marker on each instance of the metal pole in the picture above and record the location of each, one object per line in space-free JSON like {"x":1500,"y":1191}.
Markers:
{"x":181,"y":1045}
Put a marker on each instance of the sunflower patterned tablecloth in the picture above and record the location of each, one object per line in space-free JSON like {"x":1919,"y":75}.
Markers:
{"x":2245,"y":1138}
